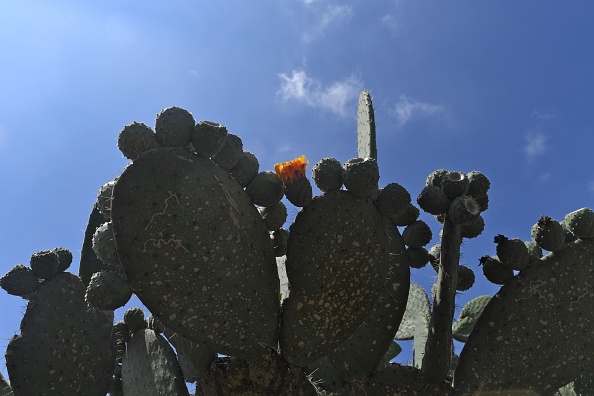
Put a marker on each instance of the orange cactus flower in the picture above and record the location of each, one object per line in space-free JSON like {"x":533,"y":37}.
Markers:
{"x":291,"y":171}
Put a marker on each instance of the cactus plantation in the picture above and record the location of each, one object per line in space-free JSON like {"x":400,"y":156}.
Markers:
{"x":239,"y":305}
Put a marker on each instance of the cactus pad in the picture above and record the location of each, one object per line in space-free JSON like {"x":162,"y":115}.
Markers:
{"x":197,"y":252}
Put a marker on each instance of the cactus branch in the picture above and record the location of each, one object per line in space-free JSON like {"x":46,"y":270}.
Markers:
{"x":438,"y":350}
{"x":366,"y":144}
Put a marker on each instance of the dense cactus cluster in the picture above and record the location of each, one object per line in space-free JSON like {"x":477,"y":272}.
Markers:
{"x":241,"y":305}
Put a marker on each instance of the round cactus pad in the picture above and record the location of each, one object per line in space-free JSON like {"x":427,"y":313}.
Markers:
{"x":537,"y":331}
{"x":337,"y":264}
{"x":197,"y":252}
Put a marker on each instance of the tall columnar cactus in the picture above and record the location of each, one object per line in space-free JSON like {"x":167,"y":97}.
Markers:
{"x":197,"y":231}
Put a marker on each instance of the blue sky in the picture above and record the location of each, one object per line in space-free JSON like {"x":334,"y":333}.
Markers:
{"x":502,"y":87}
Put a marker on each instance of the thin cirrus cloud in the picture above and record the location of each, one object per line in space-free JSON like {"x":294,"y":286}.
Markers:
{"x":408,"y":109}
{"x":535,"y":140}
{"x":332,"y":15}
{"x":334,"y":97}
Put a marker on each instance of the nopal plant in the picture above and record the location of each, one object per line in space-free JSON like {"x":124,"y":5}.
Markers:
{"x":240,"y":305}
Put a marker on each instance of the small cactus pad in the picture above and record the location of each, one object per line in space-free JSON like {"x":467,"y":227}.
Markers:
{"x":104,"y":245}
{"x":64,"y":258}
{"x":417,"y":304}
{"x":135,"y":139}
{"x":197,"y":252}
{"x":473,"y":229}
{"x":65,"y":346}
{"x":299,"y":193}
{"x":516,"y":343}
{"x":360,"y":176}
{"x":581,"y":223}
{"x":327,"y":174}
{"x":150,"y":366}
{"x":548,"y":234}
{"x":209,"y":138}
{"x":245,"y":169}
{"x":104,"y":198}
{"x":266,"y":189}
{"x":397,"y":380}
{"x":89,"y":263}
{"x":174,"y":127}
{"x":107,"y":290}
{"x":417,"y":257}
{"x":134,"y":319}
{"x":19,"y":281}
{"x":337,"y":262}
{"x":468,"y":317}
{"x":465,"y":278}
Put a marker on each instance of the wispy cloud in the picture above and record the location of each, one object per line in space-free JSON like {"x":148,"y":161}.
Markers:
{"x":407,"y":109}
{"x":536,"y":145}
{"x":332,"y":15}
{"x":335,"y":97}
{"x":389,"y":22}
{"x":536,"y":141}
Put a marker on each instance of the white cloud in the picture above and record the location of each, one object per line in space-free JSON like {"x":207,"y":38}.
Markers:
{"x":334,"y":97}
{"x":406,"y":109}
{"x":332,"y":15}
{"x":389,"y":22}
{"x":536,"y":145}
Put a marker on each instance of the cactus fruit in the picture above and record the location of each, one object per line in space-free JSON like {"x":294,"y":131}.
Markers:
{"x":465,"y":278}
{"x":266,"y":189}
{"x":417,"y":234}
{"x":581,"y":223}
{"x":297,"y":187}
{"x":20,"y":281}
{"x":464,"y":210}
{"x":337,"y":261}
{"x":209,"y":138}
{"x":104,"y":198}
{"x":246,"y":169}
{"x":327,"y":174}
{"x":478,"y":184}
{"x":360,"y":176}
{"x":392,"y":200}
{"x":107,"y":290}
{"x":134,"y":319}
{"x":548,"y":234}
{"x":495,"y":271}
{"x":135,"y":139}
{"x":70,"y":351}
{"x":454,"y":184}
{"x":196,"y":251}
{"x":274,"y":216}
{"x":512,"y":253}
{"x":417,"y":257}
{"x":474,"y":228}
{"x":64,"y":258}
{"x":534,"y":251}
{"x":104,"y":245}
{"x":230,"y":154}
{"x":468,"y":317}
{"x":433,"y":200}
{"x":406,"y":217}
{"x":44,"y":264}
{"x":483,"y":202}
{"x":174,"y":127}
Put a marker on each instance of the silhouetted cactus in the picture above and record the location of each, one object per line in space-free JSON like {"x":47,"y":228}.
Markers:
{"x":194,"y":229}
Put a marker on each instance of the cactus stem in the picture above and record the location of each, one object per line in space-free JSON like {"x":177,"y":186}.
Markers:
{"x":439,"y":347}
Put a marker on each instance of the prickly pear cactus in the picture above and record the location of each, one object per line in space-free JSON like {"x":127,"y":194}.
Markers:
{"x":65,"y":346}
{"x":537,"y":332}
{"x":196,"y":251}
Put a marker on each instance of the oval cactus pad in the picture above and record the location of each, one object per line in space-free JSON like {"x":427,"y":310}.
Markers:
{"x":197,"y":252}
{"x":337,"y":264}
